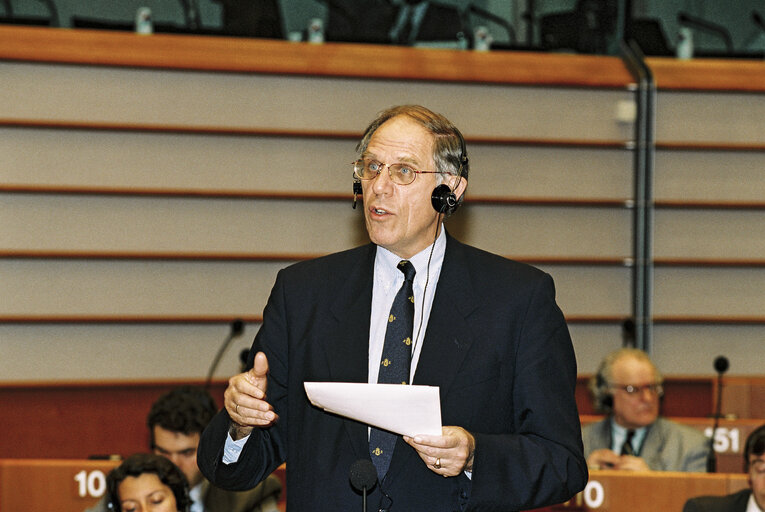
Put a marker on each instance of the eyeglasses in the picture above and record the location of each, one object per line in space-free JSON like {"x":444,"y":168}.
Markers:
{"x":654,"y":389}
{"x":401,"y":174}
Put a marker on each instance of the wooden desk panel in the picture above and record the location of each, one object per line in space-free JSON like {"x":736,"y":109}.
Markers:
{"x":63,"y":485}
{"x":76,"y":420}
{"x":45,"y":484}
{"x":618,"y":491}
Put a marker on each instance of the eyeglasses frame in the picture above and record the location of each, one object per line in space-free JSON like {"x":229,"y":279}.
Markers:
{"x":384,"y":165}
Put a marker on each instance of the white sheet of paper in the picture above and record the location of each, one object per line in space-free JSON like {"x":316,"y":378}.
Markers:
{"x":403,"y":409}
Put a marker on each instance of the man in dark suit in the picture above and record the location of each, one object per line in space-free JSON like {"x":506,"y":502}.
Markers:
{"x":485,"y":330}
{"x":747,"y":500}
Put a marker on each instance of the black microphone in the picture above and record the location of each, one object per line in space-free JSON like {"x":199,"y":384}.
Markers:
{"x":237,"y":327}
{"x":687,"y":20}
{"x":243,"y":356}
{"x":721,"y":366}
{"x":363,"y":478}
{"x":628,"y":333}
{"x":757,"y":18}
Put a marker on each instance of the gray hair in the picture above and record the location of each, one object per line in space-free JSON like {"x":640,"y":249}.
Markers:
{"x":449,"y":152}
{"x":600,"y":383}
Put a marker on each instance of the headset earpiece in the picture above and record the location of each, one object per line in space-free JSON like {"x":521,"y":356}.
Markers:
{"x":606,"y":401}
{"x":357,"y":191}
{"x":443,"y":198}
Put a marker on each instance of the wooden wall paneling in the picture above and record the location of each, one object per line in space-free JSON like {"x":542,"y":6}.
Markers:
{"x":607,"y":290}
{"x":713,"y":292}
{"x":545,"y":230}
{"x":122,"y":406}
{"x":194,"y":161}
{"x":709,"y":175}
{"x":111,"y":418}
{"x":91,"y":350}
{"x":105,"y":94}
{"x":709,"y":117}
{"x":549,"y":171}
{"x":695,"y":346}
{"x":135,"y":288}
{"x":709,"y":233}
{"x":177,"y":224}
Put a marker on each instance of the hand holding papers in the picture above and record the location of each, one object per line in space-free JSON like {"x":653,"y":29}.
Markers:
{"x":403,"y":409}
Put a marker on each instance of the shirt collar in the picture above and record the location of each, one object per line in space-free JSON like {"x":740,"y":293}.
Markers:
{"x":386,"y":272}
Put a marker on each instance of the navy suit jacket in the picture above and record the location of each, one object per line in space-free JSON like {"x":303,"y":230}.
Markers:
{"x":736,"y":502}
{"x":497,"y":346}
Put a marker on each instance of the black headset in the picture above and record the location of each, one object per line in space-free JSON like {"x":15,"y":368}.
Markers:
{"x":604,"y":397}
{"x":443,"y":198}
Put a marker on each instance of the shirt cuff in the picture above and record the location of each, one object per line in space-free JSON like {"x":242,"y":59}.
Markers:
{"x":232,"y":449}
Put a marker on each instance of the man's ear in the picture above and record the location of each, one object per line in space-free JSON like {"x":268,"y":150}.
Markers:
{"x":458,"y":187}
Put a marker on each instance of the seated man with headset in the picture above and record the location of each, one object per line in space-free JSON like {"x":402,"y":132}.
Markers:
{"x":627,"y":388}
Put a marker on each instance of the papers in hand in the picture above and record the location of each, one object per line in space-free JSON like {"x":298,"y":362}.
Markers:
{"x":403,"y":409}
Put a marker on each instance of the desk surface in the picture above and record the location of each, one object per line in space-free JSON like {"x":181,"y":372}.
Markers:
{"x":63,"y":485}
{"x":620,"y":491}
{"x":34,"y":485}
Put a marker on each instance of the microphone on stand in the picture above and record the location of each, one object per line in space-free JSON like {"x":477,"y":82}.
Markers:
{"x":237,"y":328}
{"x":757,"y":19}
{"x":721,"y":366}
{"x":687,"y":20}
{"x":363,"y":478}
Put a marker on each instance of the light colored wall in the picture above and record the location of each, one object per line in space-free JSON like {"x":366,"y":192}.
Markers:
{"x":62,"y":222}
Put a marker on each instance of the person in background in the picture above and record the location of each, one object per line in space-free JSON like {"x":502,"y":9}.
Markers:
{"x":176,"y":421}
{"x":627,"y":388}
{"x":747,"y":500}
{"x":414,"y":306}
{"x":147,"y":483}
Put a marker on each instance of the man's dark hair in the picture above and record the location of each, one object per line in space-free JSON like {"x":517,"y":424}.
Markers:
{"x":135,"y":466}
{"x":755,"y":445}
{"x":186,"y":410}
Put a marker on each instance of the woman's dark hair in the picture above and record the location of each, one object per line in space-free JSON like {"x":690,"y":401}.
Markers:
{"x":136,"y":465}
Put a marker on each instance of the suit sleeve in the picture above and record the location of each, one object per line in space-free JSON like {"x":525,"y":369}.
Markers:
{"x":696,"y":457}
{"x":692,"y":506}
{"x":539,"y":461}
{"x":265,"y":448}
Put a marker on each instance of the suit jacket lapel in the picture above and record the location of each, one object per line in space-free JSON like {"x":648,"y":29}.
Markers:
{"x":447,"y":337}
{"x":347,"y":343}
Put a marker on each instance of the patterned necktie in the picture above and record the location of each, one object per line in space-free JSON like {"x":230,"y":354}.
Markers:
{"x":627,"y":446}
{"x":395,"y":362}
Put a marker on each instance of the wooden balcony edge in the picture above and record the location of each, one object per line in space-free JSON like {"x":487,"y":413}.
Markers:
{"x":270,"y":257}
{"x":109,"y":383}
{"x":138,"y":319}
{"x":684,"y":204}
{"x":710,"y":146}
{"x":264,"y":131}
{"x":270,"y":56}
{"x":46,"y":189}
{"x":256,"y":131}
{"x":708,"y":75}
{"x":53,"y":254}
{"x":128,"y":319}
